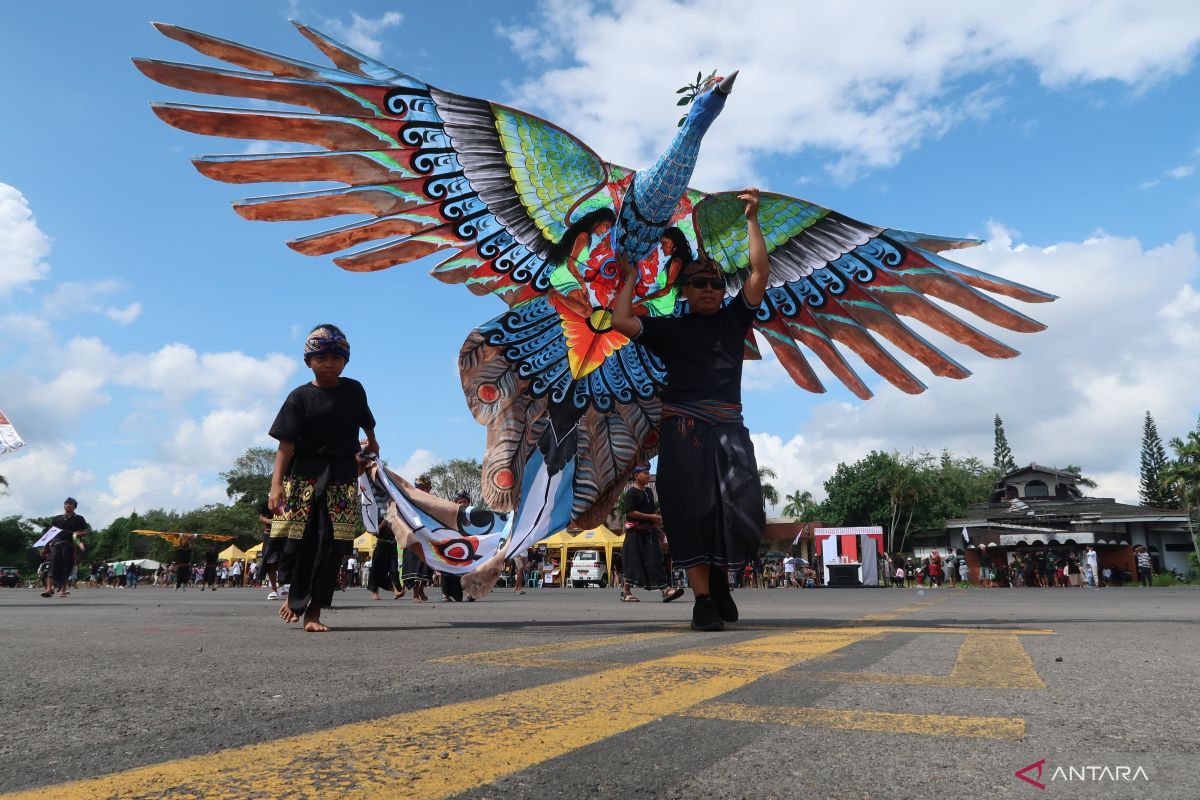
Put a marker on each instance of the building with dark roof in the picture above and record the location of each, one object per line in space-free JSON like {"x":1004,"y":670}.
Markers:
{"x":1040,"y":508}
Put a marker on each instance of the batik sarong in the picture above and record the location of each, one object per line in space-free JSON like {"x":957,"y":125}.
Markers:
{"x":317,"y":529}
{"x":708,"y":485}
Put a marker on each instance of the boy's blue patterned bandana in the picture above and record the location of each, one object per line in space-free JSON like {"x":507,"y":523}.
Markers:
{"x":326,"y":339}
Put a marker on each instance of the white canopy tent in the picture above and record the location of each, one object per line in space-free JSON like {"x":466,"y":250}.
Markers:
{"x":140,"y":563}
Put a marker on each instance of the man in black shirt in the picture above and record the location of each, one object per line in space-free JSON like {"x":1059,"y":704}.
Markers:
{"x":210,"y":569}
{"x":642,"y":558}
{"x":183,"y":563}
{"x":711,"y":498}
{"x":62,"y":547}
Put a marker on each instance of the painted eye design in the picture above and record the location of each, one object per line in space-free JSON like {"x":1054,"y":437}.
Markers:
{"x":457,"y":552}
{"x":475,"y":522}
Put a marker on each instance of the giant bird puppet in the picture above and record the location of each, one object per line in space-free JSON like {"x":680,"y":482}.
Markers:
{"x":514,"y":206}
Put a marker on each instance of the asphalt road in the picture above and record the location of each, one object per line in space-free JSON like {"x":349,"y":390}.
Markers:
{"x":568,"y":693}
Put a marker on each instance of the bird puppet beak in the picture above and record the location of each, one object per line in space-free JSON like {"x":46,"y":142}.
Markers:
{"x":726,"y":84}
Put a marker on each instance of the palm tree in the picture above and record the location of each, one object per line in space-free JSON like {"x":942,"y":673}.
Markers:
{"x":1082,"y":481}
{"x":769,"y":492}
{"x":903,"y":488}
{"x":1182,"y":478}
{"x":800,"y":504}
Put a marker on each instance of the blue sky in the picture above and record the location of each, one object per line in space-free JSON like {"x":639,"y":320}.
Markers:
{"x":147,"y":334}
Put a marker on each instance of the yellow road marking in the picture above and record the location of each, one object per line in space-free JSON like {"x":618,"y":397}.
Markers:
{"x":882,"y":629}
{"x":985,"y":661}
{"x":884,"y":616}
{"x":995,"y":662}
{"x":879,"y":721}
{"x":534,"y":654}
{"x":969,"y":631}
{"x":438,"y":752}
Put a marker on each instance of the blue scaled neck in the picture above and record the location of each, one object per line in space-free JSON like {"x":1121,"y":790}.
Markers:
{"x":657,"y":190}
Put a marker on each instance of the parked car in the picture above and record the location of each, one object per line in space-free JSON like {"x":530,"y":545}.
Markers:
{"x":587,"y":566}
{"x":10,"y":577}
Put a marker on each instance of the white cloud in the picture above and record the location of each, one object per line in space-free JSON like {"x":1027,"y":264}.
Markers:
{"x":156,"y":486}
{"x":866,"y":84}
{"x":170,"y":455}
{"x":125,"y":315}
{"x":1185,"y":304}
{"x":71,"y":298}
{"x":1122,"y":339}
{"x":41,"y":475}
{"x":22,"y":243}
{"x":191,"y":413}
{"x":363,"y":33}
{"x":1182,"y":171}
{"x":417,"y":462}
{"x":213,"y":442}
{"x":230,"y":379}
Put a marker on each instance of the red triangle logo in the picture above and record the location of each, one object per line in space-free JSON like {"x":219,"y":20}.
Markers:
{"x":1022,"y":774}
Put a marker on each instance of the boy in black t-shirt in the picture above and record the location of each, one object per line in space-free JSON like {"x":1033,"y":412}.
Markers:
{"x":314,"y":489}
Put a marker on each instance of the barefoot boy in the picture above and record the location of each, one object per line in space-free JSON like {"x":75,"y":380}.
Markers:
{"x":314,"y":489}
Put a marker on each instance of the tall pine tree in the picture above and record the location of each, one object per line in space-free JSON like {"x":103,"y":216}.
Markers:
{"x":1154,"y":458}
{"x":1002,"y":457}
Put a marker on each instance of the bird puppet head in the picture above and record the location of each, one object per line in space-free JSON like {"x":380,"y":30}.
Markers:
{"x":707,"y":97}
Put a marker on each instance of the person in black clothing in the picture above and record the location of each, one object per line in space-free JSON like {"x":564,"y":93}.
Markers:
{"x":417,"y":572}
{"x":451,"y":583}
{"x":711,"y":498}
{"x":62,"y":547}
{"x":641,"y":558}
{"x":210,"y":569}
{"x":270,"y":559}
{"x":385,"y":565}
{"x":183,"y":563}
{"x":314,"y":488}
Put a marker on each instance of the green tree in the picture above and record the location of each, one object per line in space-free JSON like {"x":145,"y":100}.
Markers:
{"x":800,"y":505}
{"x":769,"y":492}
{"x":1181,"y":477}
{"x":237,"y":520}
{"x":248,"y":482}
{"x":954,"y":483}
{"x":1002,"y":457}
{"x":17,"y":536}
{"x":458,"y":475}
{"x":853,"y":495}
{"x":1154,"y":458}
{"x":901,"y":482}
{"x":905,"y":494}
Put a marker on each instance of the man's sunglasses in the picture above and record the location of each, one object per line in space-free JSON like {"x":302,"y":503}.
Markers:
{"x":707,"y":283}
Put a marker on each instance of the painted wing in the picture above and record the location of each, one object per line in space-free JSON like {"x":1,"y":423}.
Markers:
{"x":616,"y":431}
{"x":489,"y":186}
{"x":837,"y":280}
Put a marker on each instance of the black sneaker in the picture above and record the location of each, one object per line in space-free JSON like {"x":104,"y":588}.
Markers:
{"x":718,"y":587}
{"x":705,"y":616}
